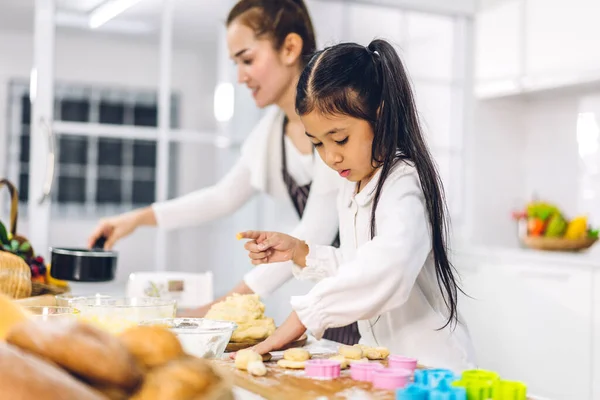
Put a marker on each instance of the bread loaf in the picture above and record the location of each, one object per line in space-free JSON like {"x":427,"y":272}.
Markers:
{"x":15,"y":276}
{"x":24,"y":376}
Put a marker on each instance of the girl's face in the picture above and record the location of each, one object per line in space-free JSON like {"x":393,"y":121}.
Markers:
{"x":265,"y":71}
{"x":344,"y":143}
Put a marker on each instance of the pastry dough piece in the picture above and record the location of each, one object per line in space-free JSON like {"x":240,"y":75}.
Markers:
{"x":247,"y":311}
{"x":342,"y":360}
{"x":256,"y":330}
{"x":377,"y":353}
{"x":296,"y":354}
{"x":238,"y":308}
{"x":351,"y":352}
{"x":291,"y":364}
{"x":352,"y":361}
{"x":244,"y":357}
{"x":256,"y":368}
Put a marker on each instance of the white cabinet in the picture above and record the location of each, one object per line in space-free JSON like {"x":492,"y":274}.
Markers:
{"x":498,"y":42}
{"x":562,"y":37}
{"x":533,"y":45}
{"x":532,"y":322}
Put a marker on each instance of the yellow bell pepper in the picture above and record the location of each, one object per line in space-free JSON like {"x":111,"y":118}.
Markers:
{"x":577,"y":228}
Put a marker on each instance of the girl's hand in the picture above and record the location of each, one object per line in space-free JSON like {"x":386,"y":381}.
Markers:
{"x":120,"y":226}
{"x":270,"y":247}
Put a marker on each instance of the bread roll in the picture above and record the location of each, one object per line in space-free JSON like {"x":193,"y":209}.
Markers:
{"x":24,"y":376}
{"x":86,"y":351}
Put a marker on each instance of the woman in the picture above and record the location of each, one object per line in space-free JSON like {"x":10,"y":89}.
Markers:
{"x":269,"y":41}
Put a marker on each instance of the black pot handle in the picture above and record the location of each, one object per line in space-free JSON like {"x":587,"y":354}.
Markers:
{"x":99,"y":243}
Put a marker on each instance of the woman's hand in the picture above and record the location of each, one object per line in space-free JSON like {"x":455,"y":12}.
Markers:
{"x":271,"y":247}
{"x":120,"y":226}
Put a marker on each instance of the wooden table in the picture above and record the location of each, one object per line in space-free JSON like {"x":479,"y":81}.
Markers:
{"x":280,"y":384}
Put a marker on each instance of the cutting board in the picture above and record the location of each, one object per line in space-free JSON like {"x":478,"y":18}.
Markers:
{"x":237,"y":346}
{"x":280,"y":383}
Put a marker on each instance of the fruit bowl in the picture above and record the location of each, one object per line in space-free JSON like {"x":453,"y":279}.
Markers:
{"x":558,"y":244}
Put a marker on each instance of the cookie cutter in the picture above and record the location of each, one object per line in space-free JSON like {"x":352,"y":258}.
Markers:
{"x":363,"y":371}
{"x":322,"y":369}
{"x":402,"y":362}
{"x":391,"y":379}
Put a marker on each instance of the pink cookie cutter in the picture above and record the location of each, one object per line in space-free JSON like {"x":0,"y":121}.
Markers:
{"x":401,"y":362}
{"x":362,"y":371}
{"x":322,"y":369}
{"x":391,"y":379}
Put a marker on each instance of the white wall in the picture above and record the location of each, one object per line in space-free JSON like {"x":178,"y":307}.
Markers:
{"x":522,"y":146}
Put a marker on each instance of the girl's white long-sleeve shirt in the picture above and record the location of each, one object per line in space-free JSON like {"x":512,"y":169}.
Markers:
{"x":259,"y":170}
{"x":387,"y":283}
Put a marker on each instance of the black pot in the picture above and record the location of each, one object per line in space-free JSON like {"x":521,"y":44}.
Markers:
{"x":83,"y":265}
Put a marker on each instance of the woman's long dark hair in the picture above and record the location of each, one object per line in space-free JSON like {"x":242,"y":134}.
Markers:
{"x":370,"y":83}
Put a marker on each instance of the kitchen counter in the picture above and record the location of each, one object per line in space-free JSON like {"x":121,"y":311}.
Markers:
{"x":530,"y":311}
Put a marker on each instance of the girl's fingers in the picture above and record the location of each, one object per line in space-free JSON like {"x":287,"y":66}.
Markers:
{"x":254,"y":235}
{"x":252,"y":246}
{"x":259,"y":262}
{"x":260,"y":255}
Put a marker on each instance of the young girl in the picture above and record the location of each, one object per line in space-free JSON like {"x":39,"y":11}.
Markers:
{"x":392,"y":271}
{"x":270,"y":42}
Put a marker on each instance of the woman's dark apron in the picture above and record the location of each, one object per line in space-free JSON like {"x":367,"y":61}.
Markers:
{"x":299,"y":195}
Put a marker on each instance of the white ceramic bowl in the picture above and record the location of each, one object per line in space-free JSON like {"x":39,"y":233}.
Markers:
{"x":200,"y":337}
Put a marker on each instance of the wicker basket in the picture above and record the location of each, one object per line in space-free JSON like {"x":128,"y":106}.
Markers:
{"x":558,"y":244}
{"x":15,"y":275}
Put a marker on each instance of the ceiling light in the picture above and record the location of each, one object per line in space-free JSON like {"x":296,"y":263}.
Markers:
{"x":108,"y":10}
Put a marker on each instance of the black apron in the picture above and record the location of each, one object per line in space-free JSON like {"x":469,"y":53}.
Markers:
{"x":299,"y":194}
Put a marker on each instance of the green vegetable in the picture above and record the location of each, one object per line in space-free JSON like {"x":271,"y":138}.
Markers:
{"x":541,"y":210}
{"x":556,"y":226}
{"x":593,"y":233}
{"x":3,"y":234}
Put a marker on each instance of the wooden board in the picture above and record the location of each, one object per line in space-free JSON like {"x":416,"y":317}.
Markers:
{"x":236,"y":346}
{"x":298,"y":387}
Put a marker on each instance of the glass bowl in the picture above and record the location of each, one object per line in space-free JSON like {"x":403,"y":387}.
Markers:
{"x":64,"y":300}
{"x":115,"y":314}
{"x":52,"y":313}
{"x":200,"y":337}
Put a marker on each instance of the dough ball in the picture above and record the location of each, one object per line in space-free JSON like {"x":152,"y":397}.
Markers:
{"x":291,"y":364}
{"x":342,"y":360}
{"x":243,"y":357}
{"x":256,"y":368}
{"x":377,"y":353}
{"x":362,"y":360}
{"x":351,"y":352}
{"x":152,"y":345}
{"x":296,"y":354}
{"x":86,"y":351}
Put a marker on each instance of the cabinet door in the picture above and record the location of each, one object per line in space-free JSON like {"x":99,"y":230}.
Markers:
{"x":530,"y":321}
{"x":562,"y":38}
{"x":497,"y":42}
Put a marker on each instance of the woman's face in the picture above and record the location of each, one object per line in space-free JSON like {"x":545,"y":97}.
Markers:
{"x":260,"y":67}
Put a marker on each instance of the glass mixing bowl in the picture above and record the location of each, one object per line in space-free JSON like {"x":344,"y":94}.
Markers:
{"x":115,"y":314}
{"x":52,"y":313}
{"x":199,"y":337}
{"x":64,"y":300}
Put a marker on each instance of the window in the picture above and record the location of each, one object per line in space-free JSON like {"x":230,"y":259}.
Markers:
{"x":94,"y":175}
